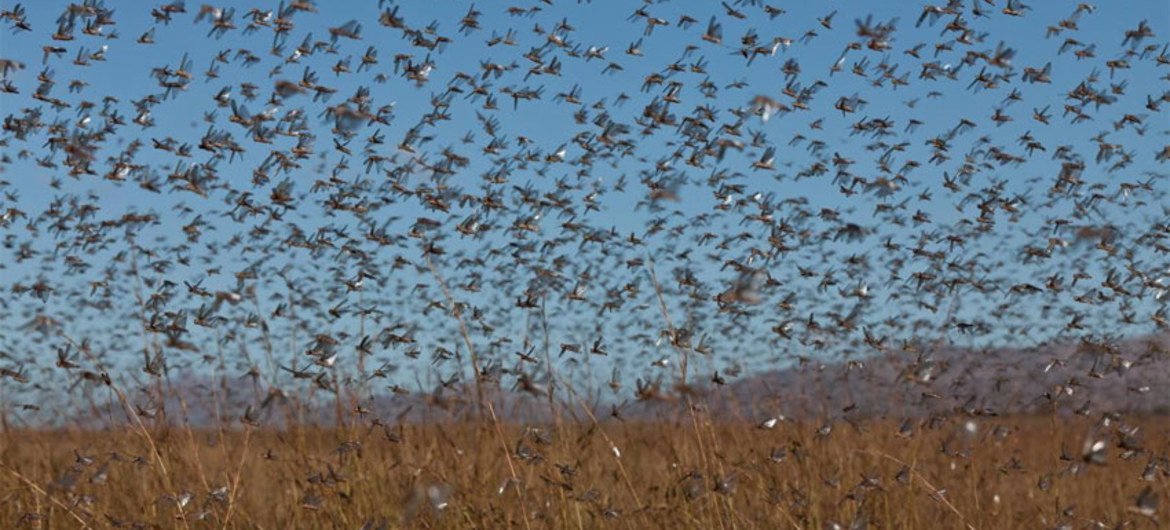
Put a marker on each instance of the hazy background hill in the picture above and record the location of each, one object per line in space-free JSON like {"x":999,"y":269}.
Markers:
{"x":1129,"y":375}
{"x":1075,"y":377}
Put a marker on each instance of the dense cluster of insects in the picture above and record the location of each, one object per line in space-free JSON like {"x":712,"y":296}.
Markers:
{"x":739,"y":264}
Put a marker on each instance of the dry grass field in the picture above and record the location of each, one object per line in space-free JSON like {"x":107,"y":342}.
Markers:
{"x":976,"y":472}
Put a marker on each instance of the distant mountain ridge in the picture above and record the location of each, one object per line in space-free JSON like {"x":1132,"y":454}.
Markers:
{"x":1130,"y":375}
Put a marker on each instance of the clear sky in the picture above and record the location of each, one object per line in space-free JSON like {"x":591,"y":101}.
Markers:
{"x":920,"y":109}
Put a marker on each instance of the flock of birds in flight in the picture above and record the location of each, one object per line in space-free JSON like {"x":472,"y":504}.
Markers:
{"x":544,"y":214}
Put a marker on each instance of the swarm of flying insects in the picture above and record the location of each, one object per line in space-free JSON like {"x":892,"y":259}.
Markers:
{"x":584,"y":264}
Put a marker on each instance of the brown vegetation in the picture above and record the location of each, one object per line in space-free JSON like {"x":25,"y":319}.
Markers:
{"x":962,"y":472}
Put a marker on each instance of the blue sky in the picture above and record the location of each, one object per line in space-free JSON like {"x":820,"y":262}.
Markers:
{"x":631,"y":332}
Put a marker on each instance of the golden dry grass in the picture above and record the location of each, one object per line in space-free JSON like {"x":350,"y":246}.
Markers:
{"x":694,"y":473}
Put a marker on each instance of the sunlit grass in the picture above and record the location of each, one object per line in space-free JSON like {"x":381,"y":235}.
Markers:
{"x":693,"y":473}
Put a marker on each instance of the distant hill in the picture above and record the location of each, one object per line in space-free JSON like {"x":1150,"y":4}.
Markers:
{"x":1131,"y":375}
